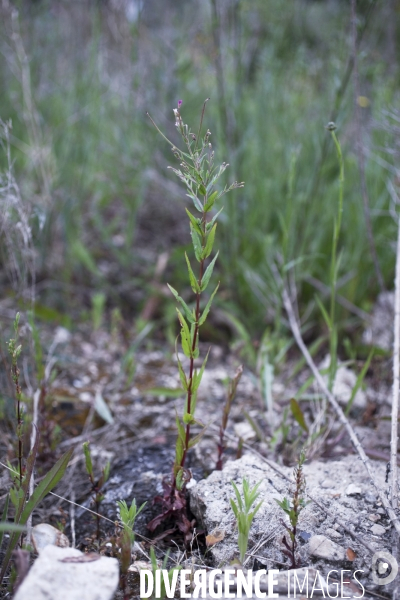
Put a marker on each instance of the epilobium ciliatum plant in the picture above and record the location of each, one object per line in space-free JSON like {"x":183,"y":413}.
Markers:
{"x":199,"y":174}
{"x":23,"y":501}
{"x":293,"y":509}
{"x":243,"y":513}
{"x":127,"y":538}
{"x":97,"y":485}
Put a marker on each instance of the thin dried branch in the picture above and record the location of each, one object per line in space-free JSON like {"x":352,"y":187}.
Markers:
{"x":396,"y":380}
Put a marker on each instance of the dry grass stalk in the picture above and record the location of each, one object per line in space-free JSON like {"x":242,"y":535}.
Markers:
{"x":396,"y":380}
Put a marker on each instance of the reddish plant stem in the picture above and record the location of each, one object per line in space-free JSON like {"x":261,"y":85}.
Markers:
{"x":191,"y":367}
{"x":191,"y":364}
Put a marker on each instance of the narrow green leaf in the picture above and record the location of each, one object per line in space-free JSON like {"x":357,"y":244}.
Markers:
{"x":185,"y":345}
{"x":255,"y":511}
{"x":5,"y":526}
{"x":207,"y":308}
{"x":185,"y":335}
{"x":164,"y":391}
{"x":180,"y":481}
{"x":193,"y":281}
{"x":196,"y":202}
{"x":102,"y":408}
{"x":198,"y":375}
{"x":182,"y":374}
{"x":16,"y":495}
{"x":186,"y":309}
{"x":324,"y":313}
{"x":181,"y":429}
{"x":46,"y":485}
{"x":298,"y":414}
{"x":215,"y":217}
{"x":210,"y":242}
{"x":88,"y":458}
{"x":195,"y":440}
{"x":179,"y":450}
{"x":234,"y":508}
{"x":210,"y":202}
{"x":196,"y":242}
{"x":237,"y":494}
{"x":359,"y":381}
{"x":195,"y":222}
{"x":202,"y":190}
{"x":208,"y":273}
{"x":30,"y":463}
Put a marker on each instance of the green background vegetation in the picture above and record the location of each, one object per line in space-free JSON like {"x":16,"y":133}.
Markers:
{"x":77,"y":78}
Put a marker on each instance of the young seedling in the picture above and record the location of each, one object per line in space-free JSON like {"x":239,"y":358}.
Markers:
{"x":199,"y":175}
{"x":127,"y":538}
{"x":172,"y":578}
{"x":96,"y":485}
{"x":292,"y":509}
{"x":225,"y":415}
{"x":243,"y":513}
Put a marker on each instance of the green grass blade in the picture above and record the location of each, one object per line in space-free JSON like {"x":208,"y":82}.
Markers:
{"x":359,"y":381}
{"x":46,"y":485}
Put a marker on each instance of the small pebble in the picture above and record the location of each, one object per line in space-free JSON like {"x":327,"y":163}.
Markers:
{"x":378,"y":530}
{"x":370,"y":497}
{"x":353,"y":490}
{"x":381,"y":511}
{"x":322,"y":547}
{"x":326,"y":484}
{"x":374,"y":518}
{"x":304,"y":536}
{"x":46,"y":535}
{"x":333,"y":534}
{"x":245,"y":431}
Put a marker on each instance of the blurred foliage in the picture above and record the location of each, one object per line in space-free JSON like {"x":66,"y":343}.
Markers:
{"x":77,"y":79}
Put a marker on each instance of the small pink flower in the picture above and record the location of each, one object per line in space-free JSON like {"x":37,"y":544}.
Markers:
{"x":179,"y":103}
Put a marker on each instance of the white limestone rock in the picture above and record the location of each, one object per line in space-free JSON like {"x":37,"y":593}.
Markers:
{"x":46,"y":535}
{"x":321,"y":547}
{"x":67,"y":574}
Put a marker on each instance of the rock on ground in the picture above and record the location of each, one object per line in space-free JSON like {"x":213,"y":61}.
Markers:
{"x":67,"y":574}
{"x":321,"y":547}
{"x":380,"y":331}
{"x":44,"y":535}
{"x":323,"y":542}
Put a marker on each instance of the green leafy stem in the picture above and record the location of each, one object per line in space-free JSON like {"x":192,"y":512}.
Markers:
{"x":199,"y":174}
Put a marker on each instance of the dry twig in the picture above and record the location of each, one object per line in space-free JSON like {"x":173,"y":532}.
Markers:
{"x":396,"y":380}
